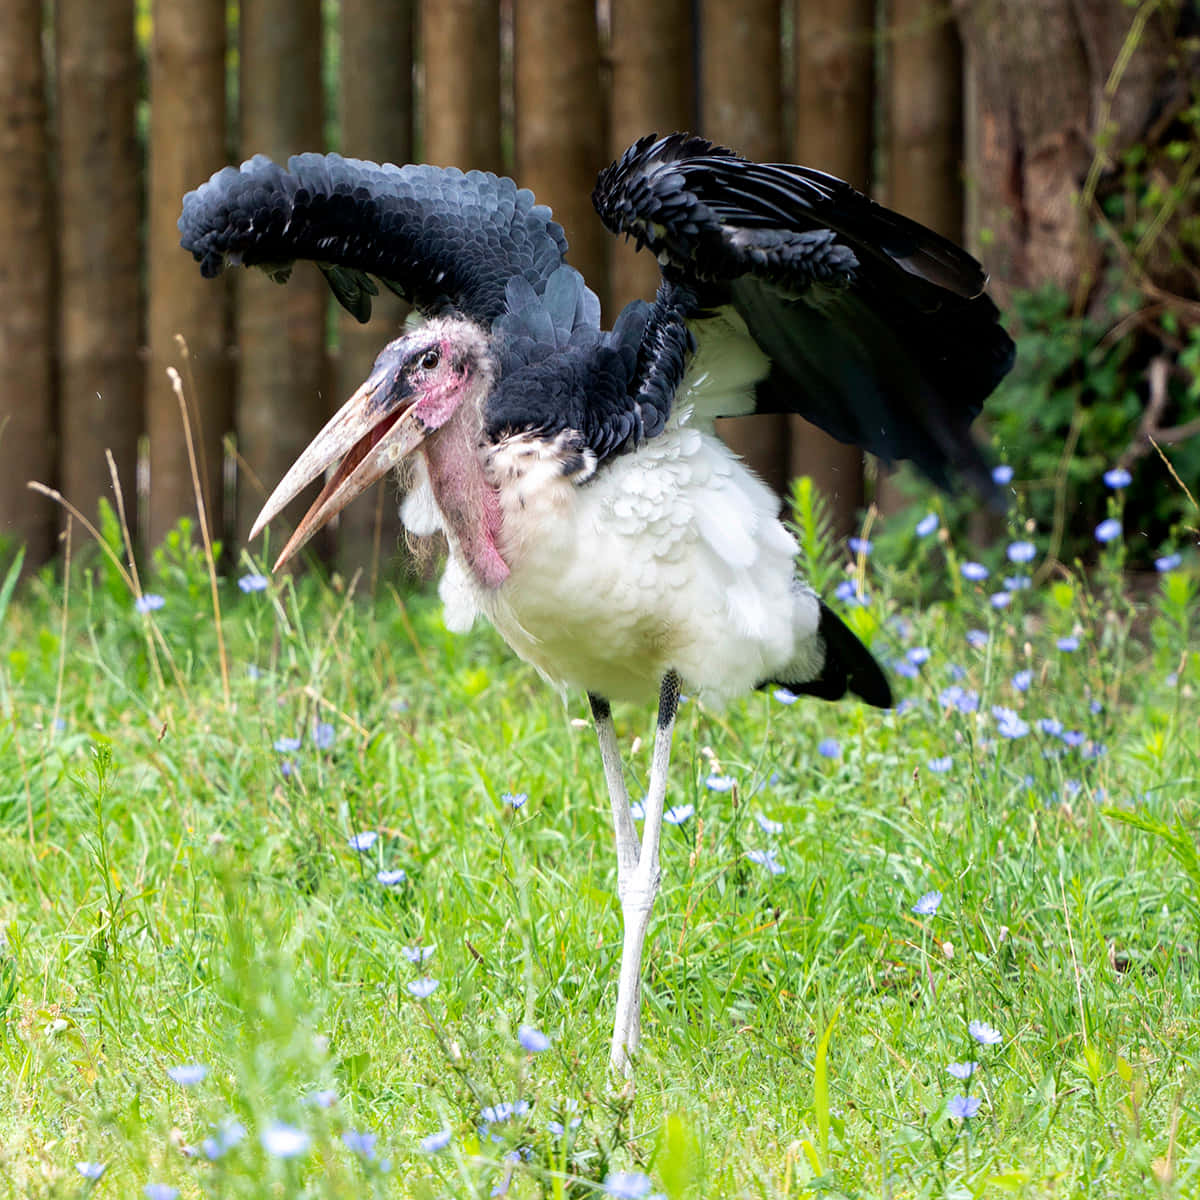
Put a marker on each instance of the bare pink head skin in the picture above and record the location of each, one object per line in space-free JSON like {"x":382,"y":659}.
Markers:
{"x":425,"y":392}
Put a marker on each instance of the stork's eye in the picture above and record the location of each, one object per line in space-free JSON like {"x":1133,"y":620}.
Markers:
{"x":430,"y":359}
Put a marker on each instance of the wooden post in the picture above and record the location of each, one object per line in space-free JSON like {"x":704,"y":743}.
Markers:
{"x":280,"y":331}
{"x":834,"y":104}
{"x":26,"y":280}
{"x":99,"y":240}
{"x":652,"y":92}
{"x":560,"y":126}
{"x":187,"y":144}
{"x":741,"y":106}
{"x":377,"y":113}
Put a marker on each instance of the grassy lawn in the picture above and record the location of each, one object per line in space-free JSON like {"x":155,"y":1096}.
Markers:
{"x":221,"y":902}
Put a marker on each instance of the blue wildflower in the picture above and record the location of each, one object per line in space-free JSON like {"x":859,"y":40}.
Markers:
{"x":362,"y":842}
{"x":939,"y":766}
{"x":434,"y":1142}
{"x":974,"y":571}
{"x":284,"y":1141}
{"x":1021,"y":552}
{"x":1168,"y":562}
{"x":228,"y":1133}
{"x":1117,"y":478}
{"x":286,"y":745}
{"x":927,"y":905}
{"x":91,"y":1170}
{"x":417,"y":954}
{"x":514,"y":800}
{"x":637,"y":810}
{"x":392,"y":878}
{"x":1017,"y":583}
{"x":360,"y":1143}
{"x":323,"y":735}
{"x":1068,"y":645}
{"x":767,"y":860}
{"x":1021,"y":680}
{"x":422,"y":988}
{"x":767,"y":825}
{"x":847,"y":592}
{"x":918,"y":655}
{"x":1008,"y":724}
{"x":188,"y":1074}
{"x":325,"y":1098}
{"x":785,"y":695}
{"x":977,"y":638}
{"x":962,"y":1070}
{"x":1108,"y":530}
{"x":1003,"y":474}
{"x":956,"y":696}
{"x":160,"y":1191}
{"x":627,"y":1185}
{"x":677,"y":814}
{"x":905,"y":669}
{"x":860,"y":545}
{"x":1050,"y":726}
{"x":253,"y":583}
{"x":984,"y":1034}
{"x":927,"y":524}
{"x":962,"y":1108}
{"x":829,"y":748}
{"x":719,"y":783}
{"x":150,"y":602}
{"x":532,"y":1040}
{"x":1073,"y":738}
{"x":1000,"y":599}
{"x":497,"y":1114}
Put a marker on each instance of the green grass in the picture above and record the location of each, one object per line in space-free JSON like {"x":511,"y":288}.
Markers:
{"x":169,"y":895}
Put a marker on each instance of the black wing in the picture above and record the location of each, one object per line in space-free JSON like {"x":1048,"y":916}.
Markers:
{"x":872,"y":326}
{"x":445,"y":240}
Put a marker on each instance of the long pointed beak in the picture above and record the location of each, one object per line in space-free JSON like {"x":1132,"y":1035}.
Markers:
{"x":371,"y":433}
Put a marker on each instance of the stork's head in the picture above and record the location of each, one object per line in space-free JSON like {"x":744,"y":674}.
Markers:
{"x":420,"y":383}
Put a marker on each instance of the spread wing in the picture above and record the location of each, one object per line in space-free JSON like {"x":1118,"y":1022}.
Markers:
{"x":863,"y":321}
{"x":444,"y":240}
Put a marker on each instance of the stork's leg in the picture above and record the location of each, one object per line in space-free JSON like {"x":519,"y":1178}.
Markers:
{"x":638,"y":887}
{"x":610,"y":756}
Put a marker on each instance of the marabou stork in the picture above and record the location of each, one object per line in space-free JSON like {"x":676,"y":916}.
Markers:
{"x":591,"y":513}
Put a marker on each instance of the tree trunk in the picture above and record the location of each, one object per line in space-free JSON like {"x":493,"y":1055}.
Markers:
{"x":187,"y":144}
{"x":741,"y":103}
{"x":834,"y":97}
{"x":460,"y":62}
{"x":99,"y":174}
{"x":281,"y":331}
{"x":560,"y":126}
{"x":377,"y":117}
{"x":26,"y":279}
{"x":652,"y":92}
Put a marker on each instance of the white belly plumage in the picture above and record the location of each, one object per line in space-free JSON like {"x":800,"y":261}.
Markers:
{"x":669,"y":557}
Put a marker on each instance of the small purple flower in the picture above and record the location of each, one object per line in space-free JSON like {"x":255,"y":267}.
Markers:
{"x":360,"y":1143}
{"x":939,"y":766}
{"x":253,"y":583}
{"x":1008,"y":724}
{"x":1050,"y":726}
{"x":719,"y":783}
{"x":976,"y":572}
{"x":1021,"y":552}
{"x":325,"y":1098}
{"x":392,"y":878}
{"x":627,"y":1185}
{"x":860,"y":545}
{"x":422,"y":988}
{"x":417,"y":954}
{"x":962,"y":1108}
{"x":1168,"y":562}
{"x":769,"y":827}
{"x":918,"y":655}
{"x":927,"y":524}
{"x":1021,"y":680}
{"x":188,"y":1074}
{"x":532,"y":1040}
{"x":785,"y":695}
{"x":323,"y":735}
{"x":1017,"y":583}
{"x":1000,"y":599}
{"x":362,"y":842}
{"x":160,"y":1191}
{"x":1073,"y":738}
{"x":497,"y":1114}
{"x":1117,"y":478}
{"x":1068,"y":645}
{"x":767,"y":860}
{"x":91,"y":1170}
{"x":977,"y":638}
{"x":286,"y":745}
{"x":434,"y":1142}
{"x":677,"y":814}
{"x":962,"y":1070}
{"x":284,"y":1141}
{"x":514,"y":800}
{"x":927,"y":905}
{"x":958,"y":697}
{"x":847,"y":592}
{"x":905,"y":669}
{"x":637,"y":810}
{"x":984,"y":1034}
{"x":829,"y":748}
{"x":229,"y":1132}
{"x":150,"y":602}
{"x":1003,"y":474}
{"x":1108,"y":530}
